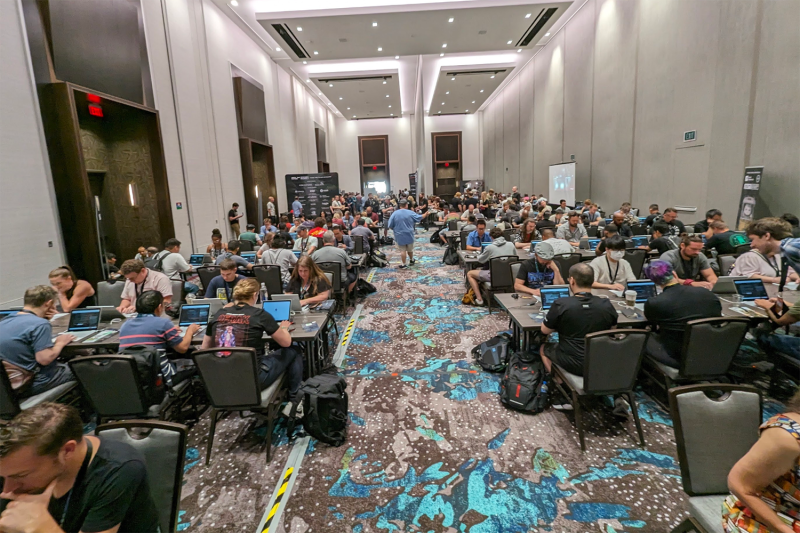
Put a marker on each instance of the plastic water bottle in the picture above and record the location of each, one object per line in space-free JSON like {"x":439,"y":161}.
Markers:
{"x":263,"y":293}
{"x":543,"y":389}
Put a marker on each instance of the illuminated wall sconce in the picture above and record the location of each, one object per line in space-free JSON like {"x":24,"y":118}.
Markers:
{"x":133,"y":195}
{"x":256,"y":191}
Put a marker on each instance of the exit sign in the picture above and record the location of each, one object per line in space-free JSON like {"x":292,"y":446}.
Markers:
{"x":689,"y":136}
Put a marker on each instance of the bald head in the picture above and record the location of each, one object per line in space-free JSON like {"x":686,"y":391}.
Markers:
{"x":581,"y":277}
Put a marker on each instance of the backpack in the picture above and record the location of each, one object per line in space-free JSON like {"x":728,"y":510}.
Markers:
{"x":435,"y":239}
{"x":522,"y":386}
{"x":387,"y":241}
{"x":365,"y":288}
{"x":375,"y":261}
{"x":324,"y":407}
{"x":156,"y":262}
{"x":450,"y":256}
{"x":148,"y":365}
{"x":21,"y":380}
{"x":493,"y":354}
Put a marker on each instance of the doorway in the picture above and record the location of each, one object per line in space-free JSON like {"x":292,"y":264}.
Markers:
{"x":373,"y":153}
{"x":447,"y":171}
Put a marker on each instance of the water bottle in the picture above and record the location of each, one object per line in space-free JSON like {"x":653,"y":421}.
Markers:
{"x":543,"y":389}
{"x":263,"y":293}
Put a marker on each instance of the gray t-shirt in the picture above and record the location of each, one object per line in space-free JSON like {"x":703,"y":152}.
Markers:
{"x":566,"y":233}
{"x":685,"y":269}
{"x":332,"y":254}
{"x":173,"y":265}
{"x":283,"y":258}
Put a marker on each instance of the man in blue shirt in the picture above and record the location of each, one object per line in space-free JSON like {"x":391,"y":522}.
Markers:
{"x":402,"y":222}
{"x":26,"y":342}
{"x":478,"y":236}
{"x":227,"y":280}
{"x":297,"y":207}
{"x":233,"y":255}
{"x":268,"y":228}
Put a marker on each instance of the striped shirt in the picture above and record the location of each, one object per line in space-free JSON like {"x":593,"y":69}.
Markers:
{"x":150,"y":330}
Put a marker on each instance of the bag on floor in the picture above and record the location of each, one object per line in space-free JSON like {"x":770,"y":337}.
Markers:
{"x":375,"y":261}
{"x":379,"y":254}
{"x":521,"y":386}
{"x":450,"y":256}
{"x":387,"y":241}
{"x":493,"y":354}
{"x":324,"y":408}
{"x":435,"y":239}
{"x":469,"y":298}
{"x":365,"y":286}
{"x":148,"y":365}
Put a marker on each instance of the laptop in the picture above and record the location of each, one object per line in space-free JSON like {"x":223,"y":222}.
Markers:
{"x":725,"y":285}
{"x":107,"y":312}
{"x":356,"y":258}
{"x":82,"y":323}
{"x":593,"y":244}
{"x":297,"y":253}
{"x":533,"y":245}
{"x":751,"y":289}
{"x":249,"y":256}
{"x":644,"y":290}
{"x":484,"y":245}
{"x":196,"y":259}
{"x":214,"y":303}
{"x":5,"y":313}
{"x":553,"y":293}
{"x":294,"y":298}
{"x":193,"y":314}
{"x":279,"y":309}
{"x":640,"y":240}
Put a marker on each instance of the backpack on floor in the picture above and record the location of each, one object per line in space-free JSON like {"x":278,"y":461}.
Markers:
{"x":387,"y":241}
{"x":435,"y":239}
{"x":324,"y":408}
{"x":493,"y":354}
{"x":521,"y":387}
{"x":148,"y":365}
{"x":450,"y":256}
{"x":469,"y":297}
{"x":375,"y":261}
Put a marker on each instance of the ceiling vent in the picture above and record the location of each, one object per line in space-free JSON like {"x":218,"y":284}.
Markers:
{"x":364,"y":78}
{"x":290,"y":40}
{"x":475,"y":72}
{"x":538,"y":23}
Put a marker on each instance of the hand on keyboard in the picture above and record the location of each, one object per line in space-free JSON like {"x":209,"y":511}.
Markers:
{"x":63,"y":340}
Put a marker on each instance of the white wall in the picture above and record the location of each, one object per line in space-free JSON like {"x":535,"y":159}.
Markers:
{"x":469,"y":126}
{"x":28,"y":214}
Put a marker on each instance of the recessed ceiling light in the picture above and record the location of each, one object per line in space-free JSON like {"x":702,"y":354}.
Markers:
{"x":319,"y":94}
{"x":299,"y":28}
{"x":340,"y":98}
{"x":492,"y":76}
{"x":451,"y":19}
{"x":308,"y":81}
{"x":442,"y":103}
{"x":374,"y":24}
{"x":441,"y":55}
{"x":519,"y":50}
{"x":348,"y":109}
{"x":380,"y":49}
{"x":473,"y":101}
{"x":354,"y":116}
{"x":305,"y":62}
{"x":316,"y":53}
{"x":528,"y":16}
{"x":509,"y":42}
{"x":547,"y":34}
{"x":330,"y":85}
{"x":439,"y":112}
{"x":390,"y":106}
{"x":278,"y":49}
{"x":397,"y":57}
{"x":447,"y":92}
{"x":453,"y":78}
{"x":391,"y":114}
{"x":481,"y":90}
{"x":444,"y":45}
{"x":466,"y":110}
{"x":234,"y":3}
{"x":384,"y":82}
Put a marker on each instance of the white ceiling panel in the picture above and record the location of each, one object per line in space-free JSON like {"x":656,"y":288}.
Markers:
{"x":464,"y":90}
{"x":361,"y":96}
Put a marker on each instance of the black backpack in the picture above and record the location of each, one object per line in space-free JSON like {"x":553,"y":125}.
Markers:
{"x":325,"y":408}
{"x":450,"y":256}
{"x":521,"y":386}
{"x":156,"y":262}
{"x":493,"y":354}
{"x":435,"y":237}
{"x":149,"y":367}
{"x":364,"y":288}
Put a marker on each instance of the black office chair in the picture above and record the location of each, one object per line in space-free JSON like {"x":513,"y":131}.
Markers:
{"x":610,"y":366}
{"x":338,"y":290}
{"x":742,"y":248}
{"x":591,"y":231}
{"x":464,"y":235}
{"x":110,"y":293}
{"x":452,"y":225}
{"x":636,"y":259}
{"x":163,"y":446}
{"x":712,"y":434}
{"x":639,"y":230}
{"x":502,"y":280}
{"x":246,"y":246}
{"x":358,"y":244}
{"x":11,"y":406}
{"x":230,"y":378}
{"x":270,"y":276}
{"x":207,"y":273}
{"x":565,"y":262}
{"x":508,"y":234}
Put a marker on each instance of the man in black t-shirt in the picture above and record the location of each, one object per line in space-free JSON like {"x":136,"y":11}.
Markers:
{"x":654,"y":214}
{"x":658,"y":241}
{"x":539,"y":271}
{"x":676,"y":227}
{"x":233,"y":220}
{"x":573,"y":318}
{"x":61,"y":480}
{"x":722,"y":239}
{"x":712,"y":215}
{"x":623,"y":228}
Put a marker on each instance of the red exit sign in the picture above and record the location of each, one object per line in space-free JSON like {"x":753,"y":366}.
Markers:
{"x":95,"y":110}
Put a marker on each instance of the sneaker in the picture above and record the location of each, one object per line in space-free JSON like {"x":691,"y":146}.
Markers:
{"x":480,"y":303}
{"x":401,"y":266}
{"x":621,"y":408}
{"x":412,"y":261}
{"x":558,"y":401}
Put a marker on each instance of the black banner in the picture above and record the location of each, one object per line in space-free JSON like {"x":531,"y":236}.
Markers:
{"x":749,"y":198}
{"x":315,"y":191}
{"x":412,"y":185}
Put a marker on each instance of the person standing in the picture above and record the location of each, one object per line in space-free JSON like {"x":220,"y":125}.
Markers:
{"x":402,"y":223}
{"x":233,"y":220}
{"x":271,"y":213}
{"x":297,"y":207}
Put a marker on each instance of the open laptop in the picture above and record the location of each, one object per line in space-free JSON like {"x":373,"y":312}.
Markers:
{"x":644,"y":290}
{"x":279,"y":309}
{"x":751,"y":289}
{"x":593,"y":244}
{"x":640,"y":240}
{"x":107,"y":312}
{"x":5,"y":313}
{"x":249,"y":256}
{"x":194,"y":314}
{"x":484,"y":245}
{"x":294,"y":298}
{"x":725,"y":285}
{"x":552,"y":293}
{"x":215,"y":304}
{"x":82,"y":323}
{"x":196,"y":259}
{"x":533,"y":245}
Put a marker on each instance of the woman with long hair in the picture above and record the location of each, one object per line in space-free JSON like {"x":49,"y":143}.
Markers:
{"x":309,"y":282}
{"x":527,"y":233}
{"x":72,"y":292}
{"x":217,"y":246}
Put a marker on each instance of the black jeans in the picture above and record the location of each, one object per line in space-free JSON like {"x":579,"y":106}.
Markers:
{"x":657,"y":350}
{"x":273,"y":364}
{"x":61,"y":374}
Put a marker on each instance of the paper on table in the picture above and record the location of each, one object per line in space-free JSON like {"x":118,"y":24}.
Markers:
{"x":618,"y":294}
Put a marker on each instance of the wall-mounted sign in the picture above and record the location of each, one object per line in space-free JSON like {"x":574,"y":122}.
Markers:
{"x":689,"y":136}
{"x":178,"y":205}
{"x":315,"y":191}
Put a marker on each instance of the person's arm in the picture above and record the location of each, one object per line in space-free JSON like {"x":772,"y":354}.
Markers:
{"x":774,"y":454}
{"x":174,"y":339}
{"x":282,"y":335}
{"x":124,"y":306}
{"x":46,"y":356}
{"x":546,"y":330}
{"x":319,"y":298}
{"x":769,"y":305}
{"x":709,"y":276}
{"x":82,"y":291}
{"x":558,"y":279}
{"x":519,"y":286}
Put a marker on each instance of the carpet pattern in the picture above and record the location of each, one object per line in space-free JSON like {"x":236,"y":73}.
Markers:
{"x":431,"y":448}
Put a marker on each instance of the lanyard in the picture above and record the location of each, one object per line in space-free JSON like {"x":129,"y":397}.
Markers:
{"x":614,"y":279}
{"x":227,"y":291}
{"x":78,"y":481}
{"x":773,"y":263}
{"x":304,"y":290}
{"x":136,"y":287}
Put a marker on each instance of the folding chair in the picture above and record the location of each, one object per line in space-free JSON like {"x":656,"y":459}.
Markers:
{"x":501,"y":280}
{"x":11,"y":406}
{"x":270,"y":276}
{"x":337,"y":287}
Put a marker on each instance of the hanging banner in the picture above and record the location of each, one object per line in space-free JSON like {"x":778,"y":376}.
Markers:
{"x":412,"y":185}
{"x":749,"y":199}
{"x":315,"y":191}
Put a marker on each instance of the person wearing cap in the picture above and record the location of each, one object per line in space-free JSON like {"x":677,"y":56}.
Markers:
{"x":499,"y":247}
{"x":402,"y":222}
{"x":305,"y":243}
{"x":538,"y":271}
{"x":559,"y":217}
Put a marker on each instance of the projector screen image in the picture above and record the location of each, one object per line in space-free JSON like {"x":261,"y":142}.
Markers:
{"x":562,"y":183}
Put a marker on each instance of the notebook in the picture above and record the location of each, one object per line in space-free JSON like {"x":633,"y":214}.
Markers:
{"x":279,"y":309}
{"x":553,"y":293}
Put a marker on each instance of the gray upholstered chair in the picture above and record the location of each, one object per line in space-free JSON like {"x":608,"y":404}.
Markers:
{"x":110,"y":293}
{"x":515,"y":269}
{"x":207,"y":273}
{"x":358,"y":244}
{"x":610,"y":366}
{"x":338,"y":288}
{"x":163,"y":446}
{"x":712,"y":434}
{"x":452,"y":225}
{"x":230,"y":378}
{"x":11,"y":406}
{"x":636,"y":259}
{"x":177,"y":291}
{"x":725,"y":263}
{"x":464,"y":235}
{"x":501,"y":280}
{"x":270,"y":276}
{"x":565,"y":262}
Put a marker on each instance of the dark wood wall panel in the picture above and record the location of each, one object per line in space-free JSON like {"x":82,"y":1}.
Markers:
{"x":373,"y":151}
{"x":251,"y":112}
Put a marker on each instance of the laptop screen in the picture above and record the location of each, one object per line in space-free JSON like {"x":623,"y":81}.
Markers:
{"x":279,"y":309}
{"x":196,"y":259}
{"x":485,"y":244}
{"x":593,"y":244}
{"x":194,"y":314}
{"x":644,"y":290}
{"x":250,"y":256}
{"x":551,"y":294}
{"x":297,"y":253}
{"x":5,"y":313}
{"x":640,"y":240}
{"x":84,"y":319}
{"x":751,"y":289}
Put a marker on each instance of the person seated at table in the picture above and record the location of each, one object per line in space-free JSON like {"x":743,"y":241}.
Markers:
{"x":361,"y":231}
{"x":573,"y":318}
{"x":251,"y":235}
{"x":217,"y":247}
{"x":470,"y":225}
{"x":670,"y":310}
{"x":573,"y":230}
{"x":138,"y":279}
{"x":560,"y":246}
{"x":368,"y":213}
{"x":305,"y":243}
{"x":232,"y":253}
{"x":475,"y":238}
{"x":296,"y":223}
{"x":543,"y":220}
{"x":563,"y":205}
{"x":690,"y":264}
{"x":174,"y":264}
{"x":775,"y":342}
{"x":309,"y":282}
{"x":266,"y":244}
{"x":279,"y":255}
{"x":72,"y":292}
{"x":623,"y":228}
{"x":503,"y":213}
{"x":267,"y":227}
{"x":676,"y":227}
{"x":527,"y":233}
{"x":347,"y":220}
{"x":559,"y":218}
{"x":330,"y":253}
{"x":794,"y":222}
{"x":337,"y":219}
{"x":658,"y":240}
{"x":538,"y":271}
{"x":585,"y":207}
{"x":628,"y":215}
{"x":719,"y":237}
{"x":244,"y":324}
{"x":26,"y":343}
{"x":227,"y":280}
{"x":498,"y":248}
{"x":141,"y":253}
{"x":524,"y":215}
{"x":320,"y":227}
{"x":654,"y":214}
{"x":612,"y":271}
{"x":608,"y":231}
{"x":763,"y":261}
{"x":471,"y":210}
{"x":342,"y":241}
{"x":592,"y":216}
{"x":150,"y":328}
{"x":712,"y":215}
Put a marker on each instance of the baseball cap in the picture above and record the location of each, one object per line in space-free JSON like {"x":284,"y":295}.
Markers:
{"x":545,"y":250}
{"x":307,"y":225}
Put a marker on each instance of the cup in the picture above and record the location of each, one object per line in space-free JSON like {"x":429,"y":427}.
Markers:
{"x":190,"y":298}
{"x":630,"y":298}
{"x":736,"y":298}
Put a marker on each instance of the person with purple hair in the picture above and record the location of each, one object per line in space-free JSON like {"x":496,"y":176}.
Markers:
{"x":670,"y":310}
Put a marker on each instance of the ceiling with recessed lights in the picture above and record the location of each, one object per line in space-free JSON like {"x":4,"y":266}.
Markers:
{"x":356,"y":45}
